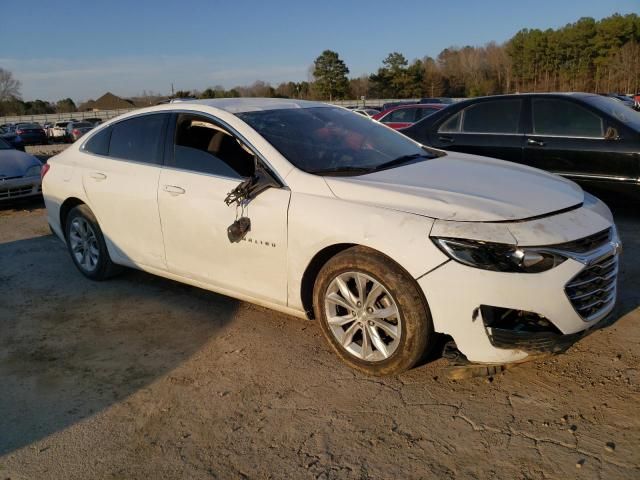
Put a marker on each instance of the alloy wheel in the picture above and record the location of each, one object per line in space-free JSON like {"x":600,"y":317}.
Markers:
{"x":84,"y":244}
{"x":363,"y":316}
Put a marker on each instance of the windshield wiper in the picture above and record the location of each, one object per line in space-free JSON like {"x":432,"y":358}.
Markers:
{"x":348,"y":170}
{"x":402,"y":160}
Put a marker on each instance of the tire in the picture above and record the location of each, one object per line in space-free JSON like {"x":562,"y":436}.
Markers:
{"x":407,"y":336}
{"x":89,"y":253}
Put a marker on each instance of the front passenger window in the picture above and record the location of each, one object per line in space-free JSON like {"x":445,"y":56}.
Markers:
{"x":565,"y":119}
{"x":203,"y":146}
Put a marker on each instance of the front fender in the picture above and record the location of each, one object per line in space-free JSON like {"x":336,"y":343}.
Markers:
{"x":317,"y":222}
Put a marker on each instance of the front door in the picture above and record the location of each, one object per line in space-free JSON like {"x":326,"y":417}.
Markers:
{"x":207,"y":161}
{"x":569,"y":139}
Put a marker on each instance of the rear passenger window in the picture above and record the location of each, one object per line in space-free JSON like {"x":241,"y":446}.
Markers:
{"x":566,"y":119}
{"x":99,"y":142}
{"x":138,"y":139}
{"x":501,"y":116}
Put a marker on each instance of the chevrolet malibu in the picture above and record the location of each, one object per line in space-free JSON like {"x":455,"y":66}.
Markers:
{"x":316,"y":211}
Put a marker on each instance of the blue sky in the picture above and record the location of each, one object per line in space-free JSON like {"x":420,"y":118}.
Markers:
{"x":126,"y":47}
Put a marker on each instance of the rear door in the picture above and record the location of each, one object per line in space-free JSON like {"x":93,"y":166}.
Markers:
{"x":121,"y":169}
{"x":567,"y":137}
{"x":490,"y":128}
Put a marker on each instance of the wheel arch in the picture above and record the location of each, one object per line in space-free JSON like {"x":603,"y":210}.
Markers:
{"x":65,"y":208}
{"x":318,"y":261}
{"x":313,"y":269}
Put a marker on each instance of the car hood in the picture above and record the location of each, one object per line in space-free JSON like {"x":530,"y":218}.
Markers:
{"x":14,"y":163}
{"x":462,"y":187}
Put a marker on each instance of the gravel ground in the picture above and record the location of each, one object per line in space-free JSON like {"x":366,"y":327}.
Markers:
{"x":141,"y":377}
{"x":43,"y":152}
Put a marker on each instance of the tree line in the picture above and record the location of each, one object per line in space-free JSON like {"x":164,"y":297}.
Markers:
{"x":587,"y":55}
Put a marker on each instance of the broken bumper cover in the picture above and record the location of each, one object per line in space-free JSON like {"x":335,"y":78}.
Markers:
{"x":459,"y":296}
{"x":537,"y":342}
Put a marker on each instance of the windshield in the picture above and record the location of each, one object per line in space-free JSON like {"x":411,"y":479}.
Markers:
{"x":4,"y":145}
{"x":617,"y":110}
{"x":331,"y":140}
{"x":82,"y":125}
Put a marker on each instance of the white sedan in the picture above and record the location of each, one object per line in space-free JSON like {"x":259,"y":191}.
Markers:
{"x":315,"y":211}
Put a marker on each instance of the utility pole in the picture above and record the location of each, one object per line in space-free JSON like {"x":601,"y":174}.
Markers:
{"x":172,"y":89}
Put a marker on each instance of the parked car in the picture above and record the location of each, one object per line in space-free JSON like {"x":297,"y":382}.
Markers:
{"x":308,"y":209}
{"x":389,"y":105}
{"x":445,"y":100}
{"x":367,"y":112}
{"x":19,"y":173}
{"x":75,"y":130}
{"x":585,"y":137}
{"x":31,"y":133}
{"x":403,"y":116}
{"x":95,"y":121}
{"x":628,"y":101}
{"x":11,"y":138}
{"x":59,"y":131}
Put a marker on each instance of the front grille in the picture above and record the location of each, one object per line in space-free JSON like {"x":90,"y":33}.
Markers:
{"x":593,"y":291}
{"x":15,"y":192}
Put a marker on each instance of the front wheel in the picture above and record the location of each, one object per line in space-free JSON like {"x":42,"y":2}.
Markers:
{"x":372,"y":312}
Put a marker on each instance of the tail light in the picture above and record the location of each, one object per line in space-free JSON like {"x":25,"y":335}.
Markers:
{"x":76,"y":131}
{"x":43,"y":171}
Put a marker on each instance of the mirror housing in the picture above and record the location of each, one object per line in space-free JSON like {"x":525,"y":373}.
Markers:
{"x":251,"y":187}
{"x":261,"y":181}
{"x":611,"y":134}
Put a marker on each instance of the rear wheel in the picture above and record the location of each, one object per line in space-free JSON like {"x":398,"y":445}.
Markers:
{"x":86,"y":245}
{"x":372,"y":312}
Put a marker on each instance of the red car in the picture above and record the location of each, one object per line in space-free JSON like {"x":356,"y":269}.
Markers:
{"x":403,"y":116}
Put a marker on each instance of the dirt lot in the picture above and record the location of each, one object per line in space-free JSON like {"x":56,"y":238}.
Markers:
{"x":141,"y":377}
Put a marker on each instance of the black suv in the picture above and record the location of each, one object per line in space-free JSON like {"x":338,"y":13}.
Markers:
{"x":588,"y":138}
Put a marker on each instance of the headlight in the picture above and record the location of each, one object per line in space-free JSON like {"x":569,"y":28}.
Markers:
{"x":499,"y":257}
{"x":33,"y":171}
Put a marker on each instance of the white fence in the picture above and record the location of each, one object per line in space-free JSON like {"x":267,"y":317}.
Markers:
{"x":107,"y":114}
{"x":58,"y":117}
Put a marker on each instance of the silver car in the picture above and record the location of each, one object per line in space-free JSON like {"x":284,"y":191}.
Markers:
{"x":19,"y":173}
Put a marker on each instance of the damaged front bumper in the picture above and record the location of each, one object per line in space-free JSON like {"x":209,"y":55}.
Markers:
{"x":528,"y":332}
{"x":501,"y":317}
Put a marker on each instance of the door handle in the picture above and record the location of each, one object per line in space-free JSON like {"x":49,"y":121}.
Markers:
{"x":537,"y":143}
{"x":446,"y":139}
{"x":98,"y":176}
{"x":173,"y":190}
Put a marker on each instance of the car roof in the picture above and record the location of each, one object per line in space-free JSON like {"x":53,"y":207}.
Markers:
{"x":241,"y":105}
{"x":536,"y":94}
{"x":438,"y":106}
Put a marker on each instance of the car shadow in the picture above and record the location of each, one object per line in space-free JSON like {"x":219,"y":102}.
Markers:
{"x":71,"y":348}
